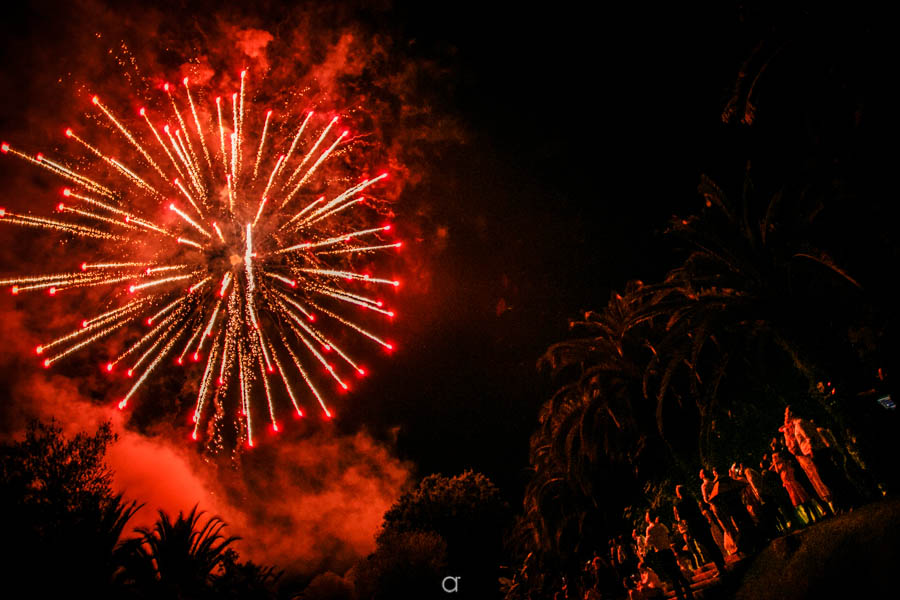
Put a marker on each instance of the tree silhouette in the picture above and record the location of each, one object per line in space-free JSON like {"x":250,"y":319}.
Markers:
{"x":55,"y":492}
{"x":180,"y":558}
{"x":244,"y":581}
{"x":752,"y":287}
{"x":405,"y":564}
{"x":597,"y":440}
{"x":467,"y":512}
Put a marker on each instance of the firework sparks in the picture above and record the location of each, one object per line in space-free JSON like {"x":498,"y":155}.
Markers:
{"x":276,"y":253}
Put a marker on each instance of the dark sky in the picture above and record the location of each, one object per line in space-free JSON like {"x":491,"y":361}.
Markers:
{"x":586,"y":137}
{"x":585,"y":130}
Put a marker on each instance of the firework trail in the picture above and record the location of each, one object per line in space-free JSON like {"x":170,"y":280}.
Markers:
{"x":212,"y":240}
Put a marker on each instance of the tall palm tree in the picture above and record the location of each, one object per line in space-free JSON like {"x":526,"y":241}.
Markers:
{"x":596,"y":442}
{"x":751,"y":283}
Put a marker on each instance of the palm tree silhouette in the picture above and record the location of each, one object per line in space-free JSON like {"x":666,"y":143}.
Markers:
{"x":597,"y":440}
{"x":751,"y":282}
{"x":180,"y":558}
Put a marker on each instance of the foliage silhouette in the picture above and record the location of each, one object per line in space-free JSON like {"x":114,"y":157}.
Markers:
{"x":61,"y":511}
{"x":180,"y":558}
{"x":467,"y":512}
{"x":405,"y":564}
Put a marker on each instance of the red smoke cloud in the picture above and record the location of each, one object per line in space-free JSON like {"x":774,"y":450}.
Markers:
{"x":252,"y":43}
{"x":301,"y":504}
{"x":319,"y":500}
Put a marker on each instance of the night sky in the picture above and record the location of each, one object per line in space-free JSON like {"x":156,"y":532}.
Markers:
{"x":588,"y":130}
{"x":581,"y":132}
